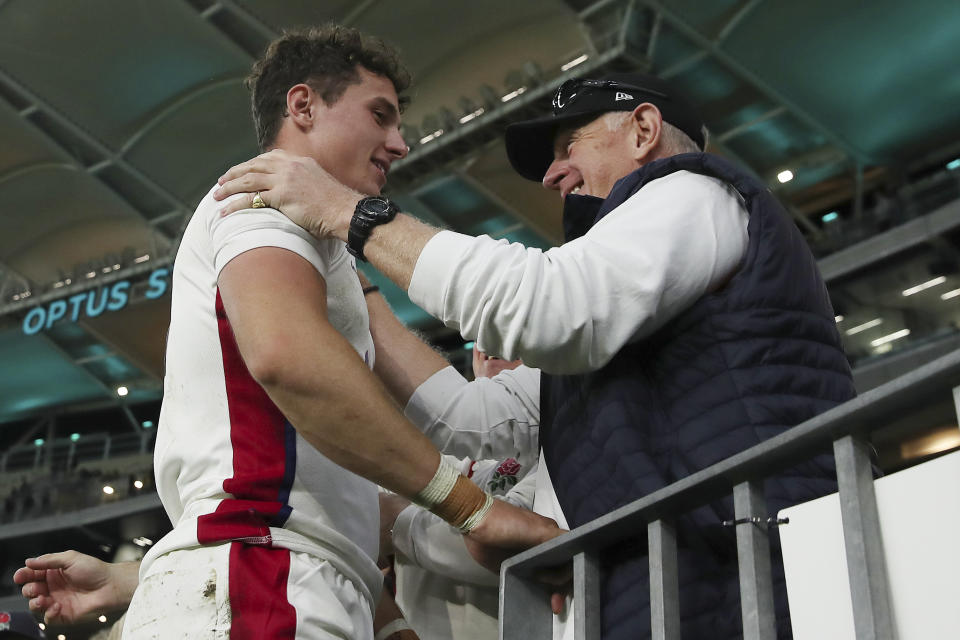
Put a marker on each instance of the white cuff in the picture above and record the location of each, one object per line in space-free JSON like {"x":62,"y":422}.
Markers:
{"x":391,"y":628}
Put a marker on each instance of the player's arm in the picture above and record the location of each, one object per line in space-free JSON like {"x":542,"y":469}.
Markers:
{"x":431,"y":544}
{"x":276,"y":303}
{"x":404,"y":361}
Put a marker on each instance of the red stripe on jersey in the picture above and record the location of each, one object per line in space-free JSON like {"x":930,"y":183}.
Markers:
{"x":259,"y":460}
{"x":258,"y":594}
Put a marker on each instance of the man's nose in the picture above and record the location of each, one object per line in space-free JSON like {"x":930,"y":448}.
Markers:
{"x":396,"y":146}
{"x":556,"y":172}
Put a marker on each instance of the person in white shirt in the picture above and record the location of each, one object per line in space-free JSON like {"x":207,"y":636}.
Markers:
{"x":443,"y":593}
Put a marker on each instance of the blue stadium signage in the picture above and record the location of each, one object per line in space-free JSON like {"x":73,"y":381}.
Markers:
{"x":94,"y":302}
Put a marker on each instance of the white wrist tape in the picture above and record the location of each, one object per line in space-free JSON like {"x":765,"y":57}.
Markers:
{"x":439,"y":487}
{"x":477,"y":515}
{"x":391,"y":628}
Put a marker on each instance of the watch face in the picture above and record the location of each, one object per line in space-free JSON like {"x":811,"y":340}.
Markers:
{"x":377,"y":205}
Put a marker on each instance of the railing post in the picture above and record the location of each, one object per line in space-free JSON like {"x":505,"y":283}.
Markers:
{"x":586,"y":596}
{"x":664,"y":581}
{"x":753,"y":553}
{"x":861,"y":536}
{"x":524,"y":608}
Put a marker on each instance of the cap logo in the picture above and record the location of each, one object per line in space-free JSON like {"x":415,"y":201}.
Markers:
{"x":622,"y":96}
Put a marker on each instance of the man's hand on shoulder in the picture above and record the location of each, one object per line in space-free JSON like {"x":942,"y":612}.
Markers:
{"x":296,"y":186}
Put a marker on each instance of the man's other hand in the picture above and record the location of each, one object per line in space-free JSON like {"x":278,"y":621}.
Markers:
{"x":70,"y":586}
{"x":296,"y":186}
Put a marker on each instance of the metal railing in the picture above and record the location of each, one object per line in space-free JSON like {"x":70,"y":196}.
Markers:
{"x":524,"y":603}
{"x":65,"y":453}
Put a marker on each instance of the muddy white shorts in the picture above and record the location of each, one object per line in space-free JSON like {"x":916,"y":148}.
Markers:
{"x":238,"y":591}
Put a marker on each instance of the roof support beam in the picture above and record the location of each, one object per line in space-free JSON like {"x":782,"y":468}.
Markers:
{"x":173,"y":107}
{"x":126,"y":355}
{"x":654,"y":36}
{"x":746,"y":126}
{"x":66,"y":355}
{"x":491,"y":195}
{"x":679,"y":67}
{"x":262,"y":28}
{"x":745,"y":9}
{"x":453,"y":144}
{"x":36,"y":107}
{"x":248,"y":33}
{"x":713,"y":48}
{"x":424,"y":210}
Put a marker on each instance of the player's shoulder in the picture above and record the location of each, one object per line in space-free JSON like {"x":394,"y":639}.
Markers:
{"x":209,"y":207}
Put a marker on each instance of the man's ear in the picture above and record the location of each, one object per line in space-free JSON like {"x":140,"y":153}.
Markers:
{"x":301,"y":104}
{"x":646,"y":128}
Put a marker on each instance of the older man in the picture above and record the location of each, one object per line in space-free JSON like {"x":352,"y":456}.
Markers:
{"x":682,"y":321}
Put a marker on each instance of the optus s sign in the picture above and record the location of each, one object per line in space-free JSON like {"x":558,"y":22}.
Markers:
{"x":92,"y":303}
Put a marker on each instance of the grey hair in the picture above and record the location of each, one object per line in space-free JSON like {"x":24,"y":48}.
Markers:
{"x":615,"y":119}
{"x":672,"y":140}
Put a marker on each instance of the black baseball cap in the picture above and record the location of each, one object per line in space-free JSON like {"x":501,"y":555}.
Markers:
{"x":530,"y":143}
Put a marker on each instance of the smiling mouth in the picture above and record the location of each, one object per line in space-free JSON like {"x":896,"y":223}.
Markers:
{"x":572,"y":192}
{"x":382,"y":167}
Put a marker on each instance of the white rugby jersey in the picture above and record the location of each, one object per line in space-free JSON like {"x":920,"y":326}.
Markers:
{"x":228,"y":464}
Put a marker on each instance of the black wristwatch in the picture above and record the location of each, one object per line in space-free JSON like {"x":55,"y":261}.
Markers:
{"x":369,"y":213}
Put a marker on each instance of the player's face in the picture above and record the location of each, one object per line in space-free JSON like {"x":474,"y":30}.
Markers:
{"x":357,"y":137}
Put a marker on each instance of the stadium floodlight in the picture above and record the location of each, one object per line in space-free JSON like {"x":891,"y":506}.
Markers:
{"x":924,"y":286}
{"x":573,"y":63}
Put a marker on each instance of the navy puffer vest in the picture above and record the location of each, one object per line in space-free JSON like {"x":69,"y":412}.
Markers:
{"x":741,"y":365}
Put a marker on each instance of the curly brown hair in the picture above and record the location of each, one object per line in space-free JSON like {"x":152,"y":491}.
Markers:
{"x":325,"y":58}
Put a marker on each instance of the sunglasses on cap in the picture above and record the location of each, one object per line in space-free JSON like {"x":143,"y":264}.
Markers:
{"x":575,"y":88}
